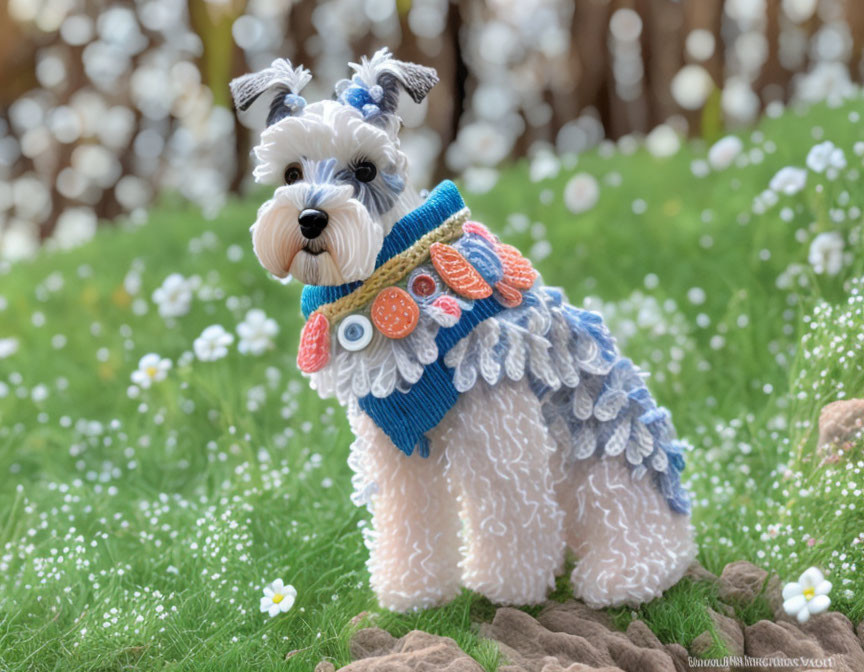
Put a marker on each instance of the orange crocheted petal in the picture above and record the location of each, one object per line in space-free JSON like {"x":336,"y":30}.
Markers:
{"x":459,"y":275}
{"x":509,"y":296}
{"x":480,"y":230}
{"x":314,"y":350}
{"x":518,"y":271}
{"x":395,"y":313}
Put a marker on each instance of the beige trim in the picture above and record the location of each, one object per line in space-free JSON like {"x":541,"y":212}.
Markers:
{"x":395,"y":269}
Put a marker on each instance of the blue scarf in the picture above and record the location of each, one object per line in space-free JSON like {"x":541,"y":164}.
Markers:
{"x":406,"y":416}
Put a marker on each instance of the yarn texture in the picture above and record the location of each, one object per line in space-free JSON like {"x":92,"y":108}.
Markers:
{"x":594,"y":402}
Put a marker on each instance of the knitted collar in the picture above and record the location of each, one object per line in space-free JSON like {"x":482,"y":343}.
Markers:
{"x":443,"y":202}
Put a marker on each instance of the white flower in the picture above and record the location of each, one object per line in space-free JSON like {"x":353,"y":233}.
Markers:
{"x":789,"y":180}
{"x":278,"y":598}
{"x":8,"y":347}
{"x":174,"y":297}
{"x":256,"y":333}
{"x":808,"y":596}
{"x":581,"y":193}
{"x":724,"y":151}
{"x":151,"y":369}
{"x":663,"y":141}
{"x":213,"y":343}
{"x":825,"y":155}
{"x":826,"y":253}
{"x":545,"y":165}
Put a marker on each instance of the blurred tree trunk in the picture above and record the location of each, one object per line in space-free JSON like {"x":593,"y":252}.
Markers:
{"x":663,"y":51}
{"x":773,"y":81}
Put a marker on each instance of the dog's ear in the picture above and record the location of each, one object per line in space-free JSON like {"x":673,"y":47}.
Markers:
{"x":281,"y":79}
{"x":374,"y":88}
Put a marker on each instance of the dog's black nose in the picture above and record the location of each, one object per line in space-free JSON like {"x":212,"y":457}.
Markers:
{"x":312,"y":222}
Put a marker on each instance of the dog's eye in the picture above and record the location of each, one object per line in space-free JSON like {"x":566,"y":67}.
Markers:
{"x":293,"y":173}
{"x":365,"y":171}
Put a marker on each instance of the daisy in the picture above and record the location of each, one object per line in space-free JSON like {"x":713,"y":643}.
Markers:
{"x":151,"y":369}
{"x":808,"y":596}
{"x":213,"y":343}
{"x":256,"y":333}
{"x":174,"y":297}
{"x":278,"y":598}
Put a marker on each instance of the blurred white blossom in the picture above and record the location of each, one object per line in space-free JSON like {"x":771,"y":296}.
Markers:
{"x":826,"y":253}
{"x":213,"y":343}
{"x":256,"y":333}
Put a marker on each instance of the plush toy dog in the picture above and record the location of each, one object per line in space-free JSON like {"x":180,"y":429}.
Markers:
{"x":496,"y":424}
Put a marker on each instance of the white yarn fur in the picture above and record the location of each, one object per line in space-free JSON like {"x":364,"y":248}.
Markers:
{"x":349,"y":243}
{"x":519,"y":507}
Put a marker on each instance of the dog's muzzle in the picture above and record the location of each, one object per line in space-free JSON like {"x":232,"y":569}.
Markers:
{"x":312,"y":222}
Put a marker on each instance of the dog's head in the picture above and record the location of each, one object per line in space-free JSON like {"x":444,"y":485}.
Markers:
{"x":340,"y":177}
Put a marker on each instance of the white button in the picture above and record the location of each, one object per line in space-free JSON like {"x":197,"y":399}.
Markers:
{"x":355,"y":332}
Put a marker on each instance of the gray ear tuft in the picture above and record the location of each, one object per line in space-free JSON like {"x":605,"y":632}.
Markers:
{"x":417,"y":80}
{"x":282,"y":79}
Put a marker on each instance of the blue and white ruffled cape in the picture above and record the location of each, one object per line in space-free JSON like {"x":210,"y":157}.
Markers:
{"x":592,"y":398}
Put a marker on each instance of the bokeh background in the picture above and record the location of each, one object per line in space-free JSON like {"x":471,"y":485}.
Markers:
{"x":103,"y":105}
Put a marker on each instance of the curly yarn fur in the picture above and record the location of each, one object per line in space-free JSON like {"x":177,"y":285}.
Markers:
{"x":530,"y":432}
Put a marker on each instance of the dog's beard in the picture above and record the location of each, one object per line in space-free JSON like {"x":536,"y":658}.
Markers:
{"x":345,"y":251}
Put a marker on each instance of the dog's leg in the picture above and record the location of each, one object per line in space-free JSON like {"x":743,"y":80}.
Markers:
{"x":631,"y":545}
{"x":498,"y":454}
{"x":414,"y":543}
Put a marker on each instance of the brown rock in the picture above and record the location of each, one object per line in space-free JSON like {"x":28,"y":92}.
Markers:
{"x":697,"y":572}
{"x":641,"y":635}
{"x":562,"y":639}
{"x":532,"y":642}
{"x":702,"y":644}
{"x":741,"y":582}
{"x":415,"y":652}
{"x":325,"y":666}
{"x":840,"y":421}
{"x":561,"y":620}
{"x":835,"y":635}
{"x":779,"y":640}
{"x":860,"y":631}
{"x":553,"y":666}
{"x":679,"y":657}
{"x":371,"y":642}
{"x":632,"y":658}
{"x":581,"y":610}
{"x":729,"y":631}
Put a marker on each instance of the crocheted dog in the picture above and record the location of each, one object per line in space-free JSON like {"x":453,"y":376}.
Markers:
{"x":496,"y":424}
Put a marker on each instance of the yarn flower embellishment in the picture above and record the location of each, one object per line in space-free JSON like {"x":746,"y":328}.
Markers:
{"x":278,"y":598}
{"x":808,"y":596}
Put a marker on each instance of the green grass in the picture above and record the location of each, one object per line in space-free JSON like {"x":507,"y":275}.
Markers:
{"x":138,"y":533}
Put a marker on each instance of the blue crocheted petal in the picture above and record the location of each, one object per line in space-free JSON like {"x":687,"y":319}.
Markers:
{"x":555,"y":295}
{"x":483,"y":258}
{"x":653,"y":416}
{"x":642,"y":397}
